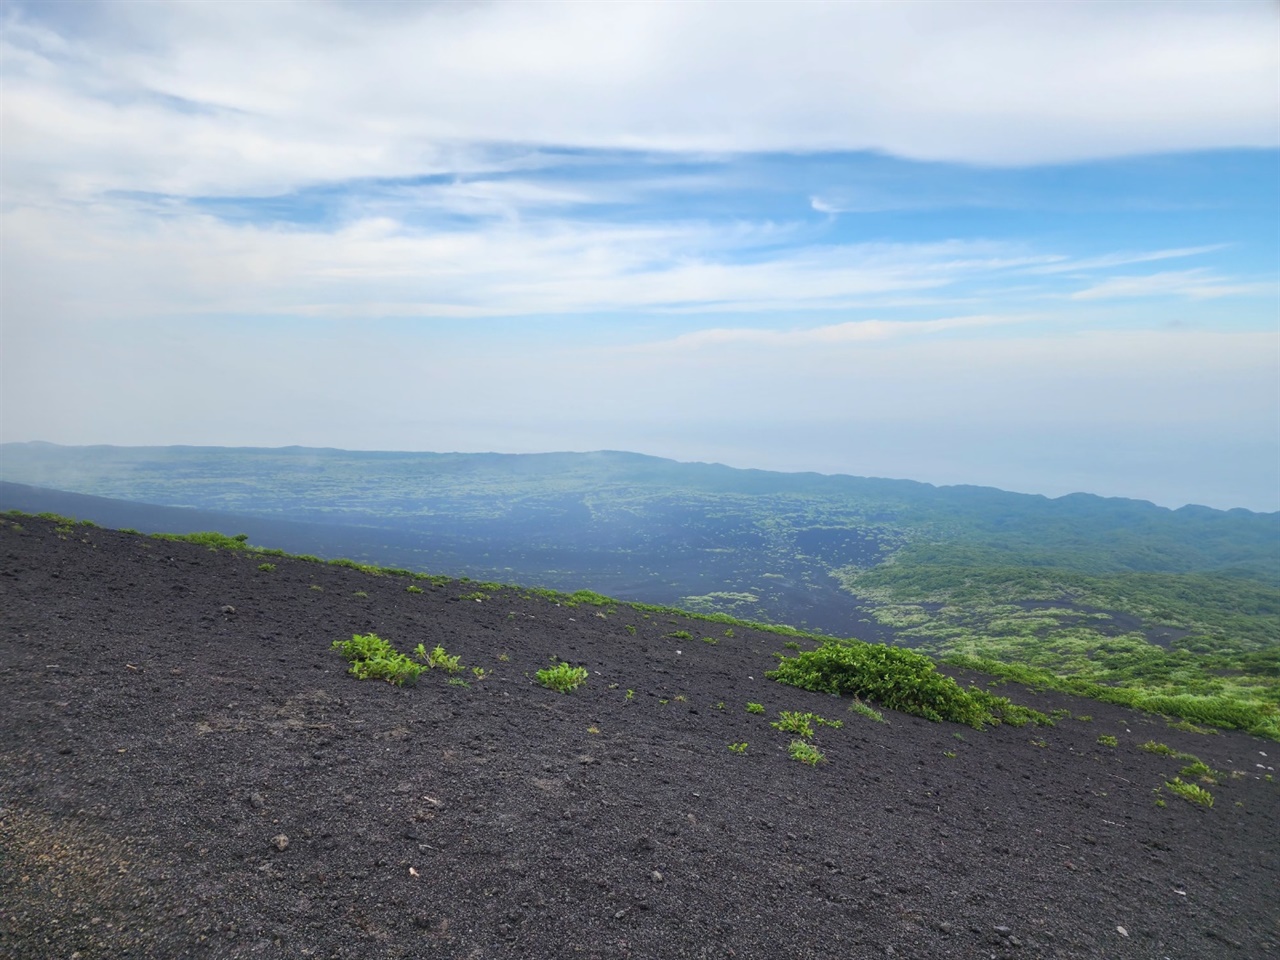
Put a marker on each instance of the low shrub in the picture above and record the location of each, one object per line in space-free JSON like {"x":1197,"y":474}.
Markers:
{"x":562,"y":677}
{"x":373,"y":658}
{"x":1190,"y":792}
{"x":898,"y":679}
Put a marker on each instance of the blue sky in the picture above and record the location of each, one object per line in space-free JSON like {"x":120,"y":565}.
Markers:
{"x":1031,"y":246}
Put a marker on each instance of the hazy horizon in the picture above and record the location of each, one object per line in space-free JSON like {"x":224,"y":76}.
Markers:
{"x":1031,"y":247}
{"x":830,"y":473}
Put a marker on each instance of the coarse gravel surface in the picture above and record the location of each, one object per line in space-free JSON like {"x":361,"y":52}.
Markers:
{"x":188,"y":770}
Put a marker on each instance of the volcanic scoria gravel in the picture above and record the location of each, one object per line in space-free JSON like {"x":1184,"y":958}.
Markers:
{"x":188,"y":770}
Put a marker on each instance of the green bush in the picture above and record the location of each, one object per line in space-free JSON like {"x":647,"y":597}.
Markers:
{"x":562,"y":677}
{"x":372,"y":658}
{"x":898,"y":679}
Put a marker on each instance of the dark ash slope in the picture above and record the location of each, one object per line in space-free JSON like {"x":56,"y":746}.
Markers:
{"x":154,"y":747}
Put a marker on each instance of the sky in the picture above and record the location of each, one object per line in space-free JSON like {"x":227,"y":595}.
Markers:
{"x":1033,"y":246}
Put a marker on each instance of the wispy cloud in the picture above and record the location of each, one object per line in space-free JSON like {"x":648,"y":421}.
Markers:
{"x":858,"y":331}
{"x":1196,"y":284}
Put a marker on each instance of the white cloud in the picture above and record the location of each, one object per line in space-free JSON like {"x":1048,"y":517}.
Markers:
{"x":857,"y":331}
{"x":113,"y":261}
{"x":257,"y":98}
{"x":1196,"y":284}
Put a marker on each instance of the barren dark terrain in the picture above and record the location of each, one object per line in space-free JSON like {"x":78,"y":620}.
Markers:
{"x":188,"y":770}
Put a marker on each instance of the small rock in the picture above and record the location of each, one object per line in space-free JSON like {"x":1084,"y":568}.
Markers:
{"x":280,"y":842}
{"x":656,"y":876}
{"x":1003,"y":931}
{"x":1122,"y":931}
{"x":228,"y":609}
{"x":256,"y":801}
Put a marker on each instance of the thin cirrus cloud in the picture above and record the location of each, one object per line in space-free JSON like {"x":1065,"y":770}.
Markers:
{"x":1195,"y":284}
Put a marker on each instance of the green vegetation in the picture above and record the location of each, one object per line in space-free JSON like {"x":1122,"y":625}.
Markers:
{"x":805,"y":752}
{"x":899,"y":680}
{"x":412,"y":588}
{"x":267,"y":567}
{"x":373,"y":658}
{"x":438,"y":659}
{"x":680,"y":635}
{"x":562,"y":677}
{"x":1085,"y":625}
{"x":1107,"y":740}
{"x":1222,"y":710}
{"x":737,"y":748}
{"x":755,"y":708}
{"x":1190,"y":792}
{"x":797,"y":723}
{"x":869,"y":712}
{"x":1199,"y":770}
{"x":802,"y":724}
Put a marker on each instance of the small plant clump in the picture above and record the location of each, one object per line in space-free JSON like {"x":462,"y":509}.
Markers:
{"x":805,"y":752}
{"x":755,"y":708}
{"x":737,"y":748}
{"x":790,"y":722}
{"x":266,"y":567}
{"x":869,"y":712}
{"x":439,"y":658}
{"x":1190,"y":792}
{"x":1107,"y":740}
{"x":802,"y":724}
{"x":411,"y":588}
{"x":562,"y":677}
{"x":373,"y":658}
{"x":1199,"y":770}
{"x":680,"y":635}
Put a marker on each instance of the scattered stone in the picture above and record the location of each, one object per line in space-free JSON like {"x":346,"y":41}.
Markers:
{"x":228,"y":609}
{"x":257,"y":801}
{"x":1122,"y":931}
{"x":280,"y":842}
{"x":656,"y":876}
